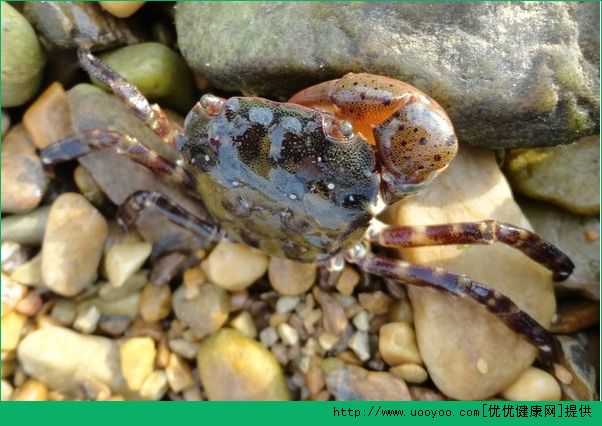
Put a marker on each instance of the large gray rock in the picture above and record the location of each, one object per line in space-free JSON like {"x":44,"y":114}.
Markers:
{"x":509,"y":74}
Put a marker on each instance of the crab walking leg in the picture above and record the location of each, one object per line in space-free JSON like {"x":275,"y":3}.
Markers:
{"x":152,"y":115}
{"x":484,"y":232}
{"x":89,"y":140}
{"x":462,"y":286}
{"x":133,"y":206}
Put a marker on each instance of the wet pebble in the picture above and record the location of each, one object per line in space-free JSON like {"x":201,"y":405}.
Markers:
{"x":352,"y":383}
{"x":234,"y":367}
{"x":47,"y":119}
{"x":291,"y":278}
{"x":23,"y":178}
{"x":73,"y":244}
{"x":533,"y":385}
{"x":235,"y":266}
{"x":124,"y":259}
{"x":206,"y":312}
{"x":397,"y":344}
{"x":137,"y":356}
{"x":155,"y":302}
{"x":22,"y":59}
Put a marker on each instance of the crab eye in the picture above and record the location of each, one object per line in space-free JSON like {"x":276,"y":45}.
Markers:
{"x":338,"y":130}
{"x":212,"y":104}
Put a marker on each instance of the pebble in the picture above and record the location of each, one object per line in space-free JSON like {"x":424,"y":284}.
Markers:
{"x":87,"y":319}
{"x":31,"y":390}
{"x":64,"y":359}
{"x":159,"y":72}
{"x":533,"y":384}
{"x":88,"y":186}
{"x":291,"y":278}
{"x":155,"y":386}
{"x":121,"y":9}
{"x":124,"y":259}
{"x":454,"y":333}
{"x":243,"y":322}
{"x":206,"y":312}
{"x":362,"y":320}
{"x":179,"y":374}
{"x":327,"y":341}
{"x":288,"y":334}
{"x":48,"y":119}
{"x":194,"y":277}
{"x":192,"y":393}
{"x":155,"y":302}
{"x":64,"y":312}
{"x":29,"y":273}
{"x":183,"y":347}
{"x":575,"y":314}
{"x":352,"y":383}
{"x":334,"y":318}
{"x":422,"y":393}
{"x":397,"y":344}
{"x":234,"y":367}
{"x":167,"y":267}
{"x":410,"y":373}
{"x":73,"y":244}
{"x":132,"y":285}
{"x":23,"y":62}
{"x":358,"y":342}
{"x":6,"y":390}
{"x":23,"y":178}
{"x":12,"y":328}
{"x":234,"y":266}
{"x":348,"y":280}
{"x":13,"y":255}
{"x":5,"y":122}
{"x":554,"y":174}
{"x":127,"y":306}
{"x":137,"y":355}
{"x":30,"y":304}
{"x":114,"y":325}
{"x":401,"y":310}
{"x":314,"y":377}
{"x":286,"y":304}
{"x":377,"y":303}
{"x":268,"y":336}
{"x":27,"y":228}
{"x":12,"y":293}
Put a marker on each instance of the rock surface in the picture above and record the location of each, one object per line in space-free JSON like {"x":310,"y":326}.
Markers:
{"x":463,"y":55}
{"x":22,"y":58}
{"x":234,"y":367}
{"x":73,"y":245}
{"x":457,"y":338}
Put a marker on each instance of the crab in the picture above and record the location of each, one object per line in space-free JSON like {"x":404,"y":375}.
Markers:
{"x":306,"y":180}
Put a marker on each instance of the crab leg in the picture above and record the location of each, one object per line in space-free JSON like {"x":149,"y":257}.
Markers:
{"x":483,"y":232}
{"x":89,"y":140}
{"x":152,"y":115}
{"x":139,"y":201}
{"x":461,"y":285}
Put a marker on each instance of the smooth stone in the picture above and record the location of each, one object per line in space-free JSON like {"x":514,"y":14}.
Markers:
{"x":155,"y":386}
{"x":121,"y":9}
{"x":118,"y":177}
{"x":12,"y":293}
{"x":30,"y":273}
{"x":87,"y":319}
{"x":6,"y":390}
{"x":562,"y":175}
{"x":206,"y":312}
{"x":113,"y":325}
{"x":23,"y":178}
{"x":411,"y":373}
{"x":31,"y":390}
{"x":349,"y":382}
{"x":30,"y":305}
{"x":27,"y":228}
{"x":234,"y":367}
{"x":128,"y":306}
{"x":160,"y":73}
{"x":243,"y":323}
{"x":137,"y":355}
{"x":288,"y":334}
{"x":376,"y":303}
{"x":179,"y":374}
{"x":397,"y":344}
{"x":48,"y":120}
{"x":233,"y":266}
{"x":73,"y":244}
{"x":533,"y":385}
{"x":334,"y":318}
{"x":577,"y":236}
{"x":464,"y":55}
{"x":64,"y":360}
{"x":69,"y":25}
{"x":166,"y":268}
{"x":348,"y":280}
{"x":291,"y":278}
{"x":12,"y":328}
{"x":358,"y":343}
{"x":155,"y":302}
{"x":133,"y":284}
{"x":64,"y":312}
{"x":124,"y":259}
{"x":13,"y":255}
{"x":88,"y":186}
{"x":22,"y":59}
{"x":454,"y":333}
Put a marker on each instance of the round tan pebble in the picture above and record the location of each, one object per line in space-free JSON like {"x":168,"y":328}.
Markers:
{"x":121,"y":9}
{"x":194,"y":277}
{"x":347,"y":281}
{"x":6,"y":390}
{"x":30,"y":304}
{"x":397,"y":344}
{"x":376,"y":303}
{"x":123,"y":259}
{"x":64,"y":311}
{"x":234,"y":367}
{"x":233,"y":266}
{"x":411,"y":373}
{"x":155,"y":302}
{"x":533,"y":385}
{"x":12,"y":327}
{"x":291,"y":278}
{"x":243,"y":322}
{"x":206,"y":312}
{"x":179,"y":374}
{"x":137,"y":360}
{"x":154,"y":386}
{"x":31,"y":390}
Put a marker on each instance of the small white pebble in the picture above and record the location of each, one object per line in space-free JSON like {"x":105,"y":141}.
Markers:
{"x":268,"y":336}
{"x":243,"y":322}
{"x":533,"y":385}
{"x":327,"y":341}
{"x":185,"y":348}
{"x":286,"y":304}
{"x":6,"y":390}
{"x":87,"y":320}
{"x":359,"y":344}
{"x":288,"y":334}
{"x":155,"y":386}
{"x":362,"y":320}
